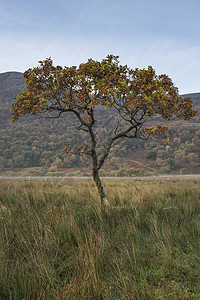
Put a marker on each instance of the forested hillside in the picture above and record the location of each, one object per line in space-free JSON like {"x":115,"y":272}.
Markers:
{"x":34,"y":146}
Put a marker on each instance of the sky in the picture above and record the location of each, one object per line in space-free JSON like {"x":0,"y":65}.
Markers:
{"x":161,"y":33}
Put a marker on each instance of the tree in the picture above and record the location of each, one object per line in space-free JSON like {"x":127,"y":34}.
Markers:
{"x":136,"y":95}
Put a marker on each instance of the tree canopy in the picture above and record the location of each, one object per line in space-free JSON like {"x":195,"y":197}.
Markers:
{"x":135,"y":94}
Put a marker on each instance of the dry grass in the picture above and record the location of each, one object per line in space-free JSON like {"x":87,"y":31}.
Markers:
{"x":57,"y":242}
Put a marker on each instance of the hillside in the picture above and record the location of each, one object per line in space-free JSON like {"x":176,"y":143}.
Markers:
{"x":11,"y":83}
{"x":34,"y":145}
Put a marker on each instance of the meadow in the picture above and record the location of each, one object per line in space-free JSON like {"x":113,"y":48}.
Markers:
{"x":56,"y":241}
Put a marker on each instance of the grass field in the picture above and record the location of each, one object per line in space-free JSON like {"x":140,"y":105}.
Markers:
{"x":57,"y":243}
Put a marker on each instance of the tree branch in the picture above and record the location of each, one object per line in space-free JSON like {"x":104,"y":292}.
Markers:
{"x":110,"y":142}
{"x":80,"y":128}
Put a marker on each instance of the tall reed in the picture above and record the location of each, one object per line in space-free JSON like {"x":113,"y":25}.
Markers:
{"x":57,"y":243}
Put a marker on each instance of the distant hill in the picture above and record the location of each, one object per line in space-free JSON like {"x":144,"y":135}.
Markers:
{"x":34,"y":146}
{"x":11,"y":84}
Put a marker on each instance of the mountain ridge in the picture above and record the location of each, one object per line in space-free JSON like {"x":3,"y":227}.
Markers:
{"x":11,"y":84}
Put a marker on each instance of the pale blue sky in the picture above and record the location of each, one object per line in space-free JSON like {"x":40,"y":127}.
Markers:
{"x":161,"y":33}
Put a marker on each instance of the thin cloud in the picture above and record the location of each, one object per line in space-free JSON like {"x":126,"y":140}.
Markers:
{"x":158,"y":33}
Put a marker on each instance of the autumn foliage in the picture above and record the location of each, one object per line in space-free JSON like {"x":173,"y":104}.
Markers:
{"x":136,"y":94}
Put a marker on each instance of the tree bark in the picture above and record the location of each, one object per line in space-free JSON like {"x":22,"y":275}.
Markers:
{"x":95,"y":169}
{"x":100,"y":187}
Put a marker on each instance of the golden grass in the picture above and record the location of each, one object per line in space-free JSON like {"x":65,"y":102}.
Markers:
{"x":58,"y":243}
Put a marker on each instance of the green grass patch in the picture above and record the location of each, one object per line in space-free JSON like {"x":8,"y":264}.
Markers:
{"x":56,"y":242}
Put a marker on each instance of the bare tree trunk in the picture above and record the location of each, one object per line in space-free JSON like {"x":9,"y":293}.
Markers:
{"x":95,"y":169}
{"x":100,"y":187}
